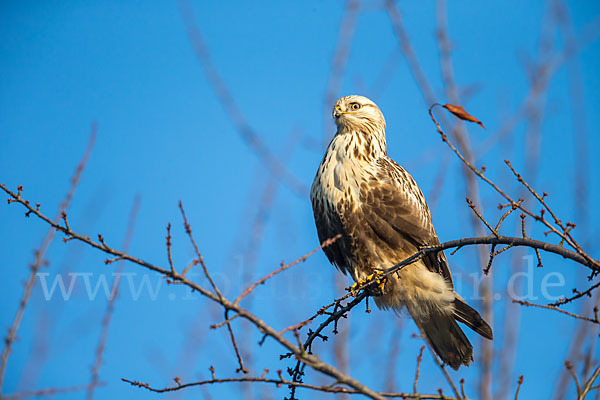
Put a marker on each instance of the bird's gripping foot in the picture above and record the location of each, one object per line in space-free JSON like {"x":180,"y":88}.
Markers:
{"x":378,"y":289}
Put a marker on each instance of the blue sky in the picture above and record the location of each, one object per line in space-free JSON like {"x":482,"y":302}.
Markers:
{"x":163,"y":135}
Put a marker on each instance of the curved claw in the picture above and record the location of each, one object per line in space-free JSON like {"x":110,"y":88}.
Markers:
{"x":376,"y":276}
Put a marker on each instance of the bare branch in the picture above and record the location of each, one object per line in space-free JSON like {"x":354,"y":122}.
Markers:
{"x":41,"y":251}
{"x":170,"y":258}
{"x":592,"y":264}
{"x":508,"y":240}
{"x":571,"y":370}
{"x":49,"y":391}
{"x":306,"y":358}
{"x":528,"y":304}
{"x":578,"y":295}
{"x":283,"y":267}
{"x":281,"y":381}
{"x":519,"y":383}
{"x":474,"y":208}
{"x":188,"y":230}
{"x":303,"y":356}
{"x":589,"y":385}
{"x":419,"y":359}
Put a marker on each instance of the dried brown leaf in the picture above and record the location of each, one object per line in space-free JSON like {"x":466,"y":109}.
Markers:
{"x":462,"y":114}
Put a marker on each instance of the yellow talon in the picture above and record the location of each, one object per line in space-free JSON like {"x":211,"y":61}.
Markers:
{"x":381,"y":286}
{"x":374,"y":276}
{"x":352,"y":289}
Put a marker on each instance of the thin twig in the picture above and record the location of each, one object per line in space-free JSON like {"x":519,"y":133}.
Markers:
{"x":506,"y":240}
{"x":223,"y":323}
{"x":321,"y":311}
{"x":519,"y":383}
{"x":571,"y":370}
{"x":304,"y":357}
{"x":283,"y":267}
{"x":591,"y":263}
{"x":528,"y":304}
{"x":444,"y":371}
{"x":578,"y":295}
{"x":41,"y":251}
{"x":188,"y":230}
{"x":111,"y":304}
{"x":313,"y":361}
{"x":419,"y":359}
{"x":281,"y":381}
{"x":589,"y":385}
{"x":524,"y":234}
{"x":506,"y":214}
{"x":267,"y":330}
{"x":170,"y":258}
{"x":474,"y":208}
{"x":539,"y":198}
{"x":49,"y":391}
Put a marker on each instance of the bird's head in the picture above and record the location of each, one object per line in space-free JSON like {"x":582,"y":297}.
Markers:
{"x":358,"y":113}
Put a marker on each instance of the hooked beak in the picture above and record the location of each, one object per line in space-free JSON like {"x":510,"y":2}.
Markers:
{"x":337,"y":111}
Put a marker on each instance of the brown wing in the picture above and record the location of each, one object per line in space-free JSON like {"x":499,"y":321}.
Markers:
{"x":329,"y":224}
{"x":394,"y":208}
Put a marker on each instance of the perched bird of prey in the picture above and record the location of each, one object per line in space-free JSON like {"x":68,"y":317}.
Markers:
{"x":380,"y":211}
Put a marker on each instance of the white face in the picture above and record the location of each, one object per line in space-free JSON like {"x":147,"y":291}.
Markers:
{"x":357,"y":111}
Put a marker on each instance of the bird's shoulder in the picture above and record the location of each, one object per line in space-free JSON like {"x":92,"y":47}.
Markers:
{"x":393,"y":186}
{"x":396,"y":200}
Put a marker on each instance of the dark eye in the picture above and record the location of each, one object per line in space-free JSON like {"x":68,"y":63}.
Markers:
{"x":354,"y":106}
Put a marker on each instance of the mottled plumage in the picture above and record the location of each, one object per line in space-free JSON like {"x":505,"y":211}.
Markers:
{"x":383,"y":218}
